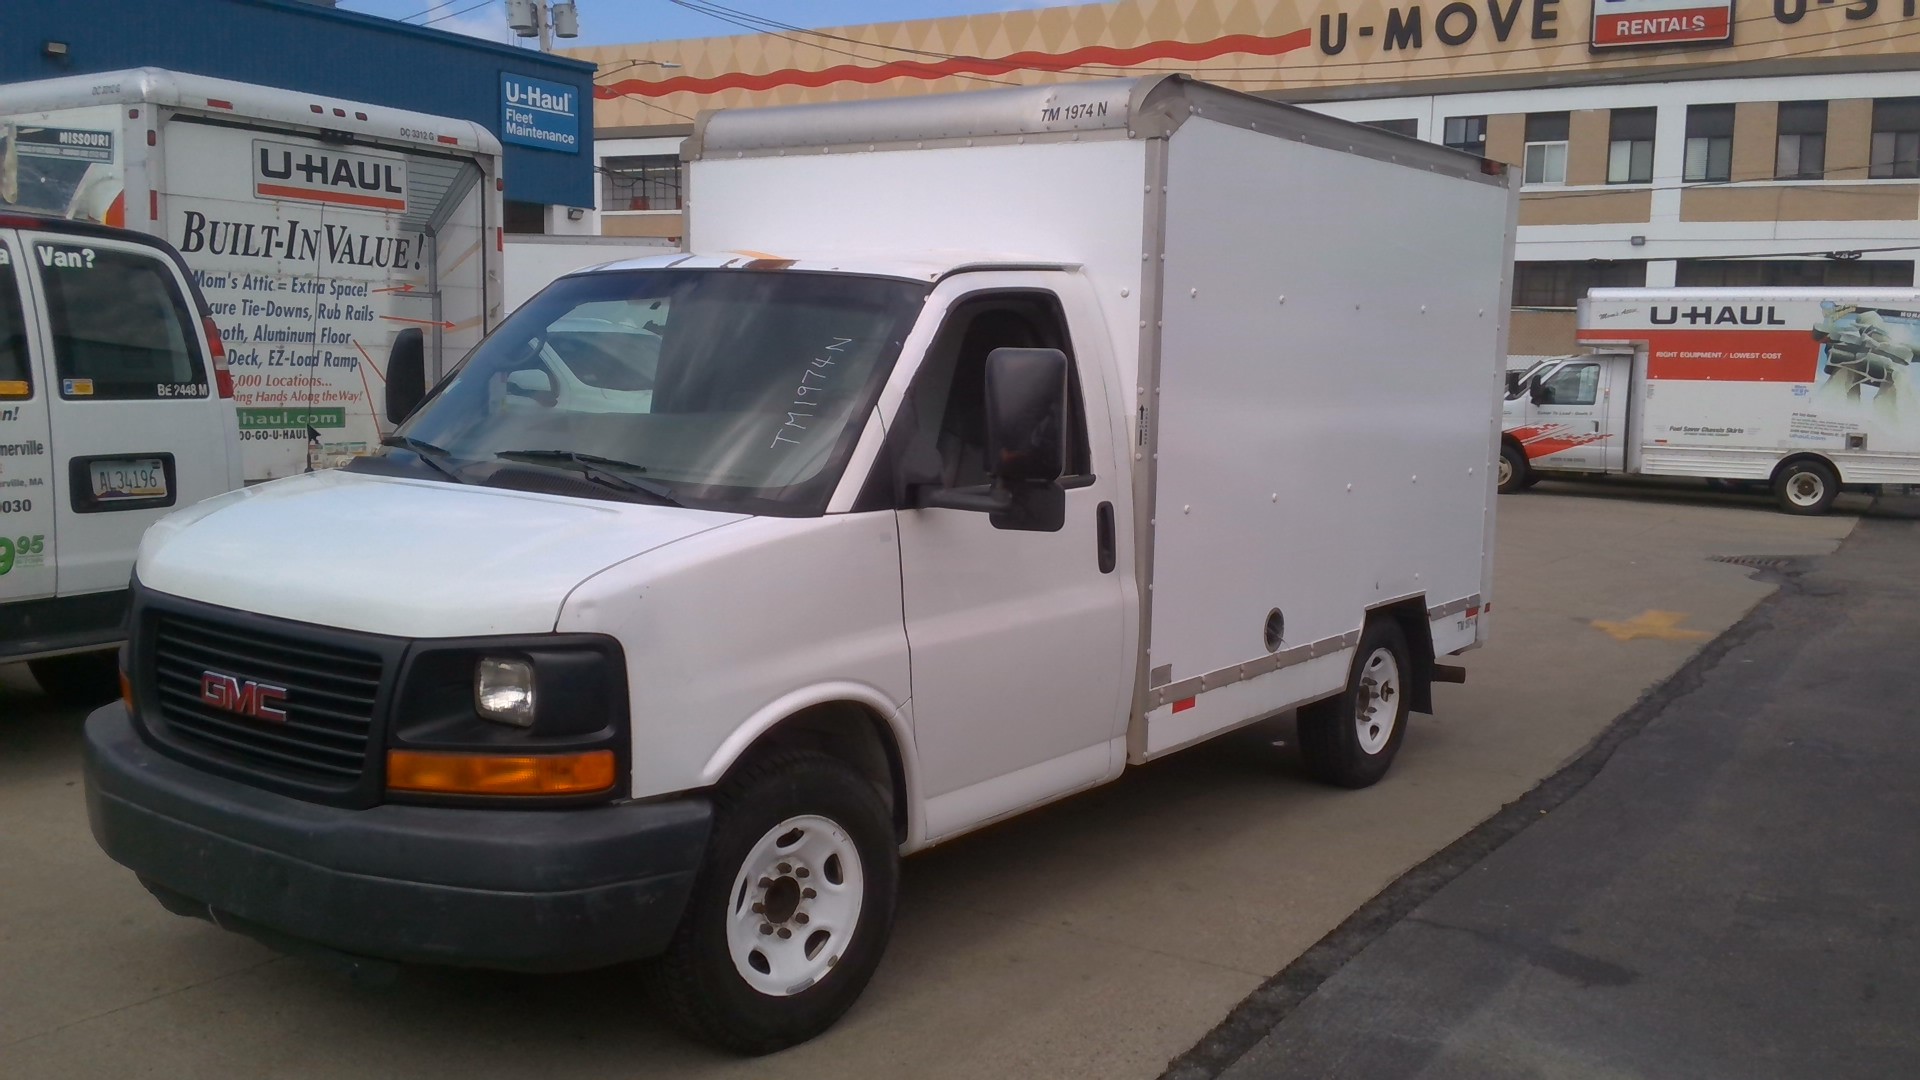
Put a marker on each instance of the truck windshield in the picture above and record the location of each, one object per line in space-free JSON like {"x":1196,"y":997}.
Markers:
{"x":726,"y":389}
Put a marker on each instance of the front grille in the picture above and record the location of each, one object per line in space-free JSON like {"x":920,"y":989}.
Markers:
{"x":331,"y":696}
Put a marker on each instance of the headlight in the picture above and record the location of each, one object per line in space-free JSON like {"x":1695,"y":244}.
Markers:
{"x":503,"y":691}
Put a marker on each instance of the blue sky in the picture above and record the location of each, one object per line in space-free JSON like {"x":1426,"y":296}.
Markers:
{"x":612,"y":22}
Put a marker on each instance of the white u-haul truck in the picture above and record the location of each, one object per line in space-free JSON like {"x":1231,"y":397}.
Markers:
{"x":317,"y":229}
{"x":1804,"y":390}
{"x":984,"y":446}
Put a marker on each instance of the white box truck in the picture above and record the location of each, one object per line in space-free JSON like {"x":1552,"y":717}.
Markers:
{"x":983,"y":446}
{"x":531,"y":263}
{"x":1803,"y":390}
{"x":318,"y":230}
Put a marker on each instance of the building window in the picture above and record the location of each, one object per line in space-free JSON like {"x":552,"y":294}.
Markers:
{"x":1801,"y":150}
{"x":1468,"y":133}
{"x":1630,"y":146}
{"x":1709,"y":144}
{"x":1562,"y":284}
{"x":1546,"y":161}
{"x":1896,"y":139}
{"x":1812,"y":273}
{"x":640,"y":183}
{"x":1410,"y":128}
{"x":524,"y":217}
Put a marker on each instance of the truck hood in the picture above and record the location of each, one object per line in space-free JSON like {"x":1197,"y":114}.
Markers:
{"x":410,"y":558}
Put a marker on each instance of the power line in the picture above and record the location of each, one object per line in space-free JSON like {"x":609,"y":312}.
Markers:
{"x":452,"y":14}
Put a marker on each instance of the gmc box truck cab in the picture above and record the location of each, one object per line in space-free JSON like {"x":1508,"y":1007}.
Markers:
{"x":1793,"y":389}
{"x":984,"y":446}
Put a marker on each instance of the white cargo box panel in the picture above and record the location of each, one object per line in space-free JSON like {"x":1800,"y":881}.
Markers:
{"x":1311,"y":314}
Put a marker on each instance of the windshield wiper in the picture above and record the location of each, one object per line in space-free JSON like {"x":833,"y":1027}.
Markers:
{"x":426,"y":452}
{"x":611,"y":472}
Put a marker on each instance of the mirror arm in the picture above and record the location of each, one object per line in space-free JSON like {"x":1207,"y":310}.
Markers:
{"x":986,"y":502}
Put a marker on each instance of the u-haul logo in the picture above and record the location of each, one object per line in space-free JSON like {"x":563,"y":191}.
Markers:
{"x":286,"y":171}
{"x":1716,"y":315}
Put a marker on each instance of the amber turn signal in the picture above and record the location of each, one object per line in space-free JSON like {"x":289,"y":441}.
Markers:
{"x":499,"y":774}
{"x":126,"y":691}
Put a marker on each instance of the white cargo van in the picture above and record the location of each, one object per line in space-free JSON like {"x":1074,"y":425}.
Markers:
{"x":115,"y":407}
{"x":318,"y":229}
{"x":985,"y":445}
{"x":1804,"y":390}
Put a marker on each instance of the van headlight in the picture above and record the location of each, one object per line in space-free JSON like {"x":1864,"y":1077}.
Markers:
{"x":503,"y":691}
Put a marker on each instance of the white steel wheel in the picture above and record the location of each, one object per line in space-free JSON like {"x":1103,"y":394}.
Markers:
{"x":1805,"y":489}
{"x":1376,"y":701}
{"x":1807,"y":486}
{"x":1350,"y":740}
{"x":1505,"y":472}
{"x":796,"y":902}
{"x":789,"y":914}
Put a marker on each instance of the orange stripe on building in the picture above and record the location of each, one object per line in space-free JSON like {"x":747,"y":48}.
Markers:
{"x":1101,"y":55}
{"x":1724,"y":355}
{"x":342,"y":198}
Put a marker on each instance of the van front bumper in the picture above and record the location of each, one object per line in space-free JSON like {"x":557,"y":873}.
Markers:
{"x":519,"y":890}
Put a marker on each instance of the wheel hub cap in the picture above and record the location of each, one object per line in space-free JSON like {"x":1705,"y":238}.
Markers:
{"x":795,"y":904}
{"x":1376,"y":702}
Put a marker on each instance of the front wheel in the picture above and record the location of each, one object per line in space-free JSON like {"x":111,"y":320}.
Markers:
{"x":1512,"y":470}
{"x":791,"y":911}
{"x":1808,"y":486}
{"x":1350,"y":740}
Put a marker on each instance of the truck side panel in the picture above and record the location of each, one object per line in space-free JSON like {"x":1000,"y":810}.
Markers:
{"x":1729,"y":383}
{"x":1332,"y":330}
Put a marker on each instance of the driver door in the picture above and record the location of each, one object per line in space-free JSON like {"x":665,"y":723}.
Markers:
{"x":1568,"y":419}
{"x":1017,"y":638}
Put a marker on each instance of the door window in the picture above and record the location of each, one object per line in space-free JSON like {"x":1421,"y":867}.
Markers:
{"x":1575,"y":384}
{"x":120,"y":325}
{"x":16,"y":378}
{"x":947,"y":405}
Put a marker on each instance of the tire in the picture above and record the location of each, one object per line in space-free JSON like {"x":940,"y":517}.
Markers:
{"x":1513,"y":472}
{"x":1332,"y":742}
{"x":91,"y":678}
{"x":758,"y":871}
{"x":1806,"y":487}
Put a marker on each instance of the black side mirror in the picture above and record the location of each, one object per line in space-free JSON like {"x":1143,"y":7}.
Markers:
{"x":406,"y":373}
{"x":1026,"y":416}
{"x":1540,"y":394}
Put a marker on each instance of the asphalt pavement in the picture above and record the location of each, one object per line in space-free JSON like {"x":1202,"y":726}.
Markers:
{"x":1723,"y":886}
{"x":1099,"y":937}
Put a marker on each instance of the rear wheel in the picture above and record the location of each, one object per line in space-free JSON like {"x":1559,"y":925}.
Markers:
{"x":1350,"y":740}
{"x":790,"y":912}
{"x":1807,"y":486}
{"x":1513,"y":472}
{"x":91,"y":678}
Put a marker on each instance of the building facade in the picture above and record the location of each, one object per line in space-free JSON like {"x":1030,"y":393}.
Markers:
{"x":1661,"y":142}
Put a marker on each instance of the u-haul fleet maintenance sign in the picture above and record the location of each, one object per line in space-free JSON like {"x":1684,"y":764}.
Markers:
{"x":539,"y":114}
{"x":363,"y":181}
{"x":1661,"y":22}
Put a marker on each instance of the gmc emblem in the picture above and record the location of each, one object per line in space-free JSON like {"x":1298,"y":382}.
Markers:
{"x":248,"y":698}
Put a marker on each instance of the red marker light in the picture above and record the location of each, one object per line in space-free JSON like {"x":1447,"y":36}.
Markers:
{"x":216,"y":348}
